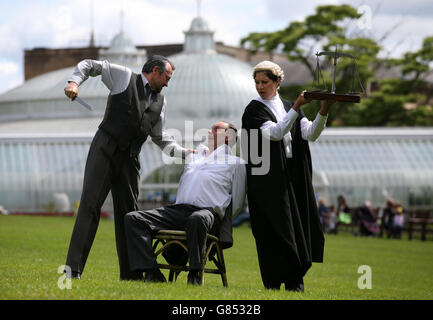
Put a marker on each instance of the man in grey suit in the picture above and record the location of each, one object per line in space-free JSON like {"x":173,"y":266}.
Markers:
{"x":135,"y":110}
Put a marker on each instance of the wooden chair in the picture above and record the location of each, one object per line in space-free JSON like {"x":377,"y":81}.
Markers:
{"x":173,"y":248}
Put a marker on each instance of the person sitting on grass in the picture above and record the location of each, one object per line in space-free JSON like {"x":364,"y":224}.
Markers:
{"x":212,"y":179}
{"x":398,"y":222}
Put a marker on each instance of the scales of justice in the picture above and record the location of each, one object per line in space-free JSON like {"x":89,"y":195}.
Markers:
{"x":325,"y":94}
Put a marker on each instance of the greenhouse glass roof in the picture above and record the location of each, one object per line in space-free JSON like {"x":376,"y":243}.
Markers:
{"x":374,"y":156}
{"x":387,"y":161}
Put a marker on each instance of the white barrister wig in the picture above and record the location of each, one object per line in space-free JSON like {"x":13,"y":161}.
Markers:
{"x":270,"y":66}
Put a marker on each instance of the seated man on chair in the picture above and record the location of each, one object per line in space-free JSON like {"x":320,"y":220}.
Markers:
{"x":212,"y":179}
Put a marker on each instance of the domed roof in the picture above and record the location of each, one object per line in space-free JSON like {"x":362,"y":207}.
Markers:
{"x":199,"y":24}
{"x":43,"y":97}
{"x":122,"y":51}
{"x":199,"y":38}
{"x":121,"y":43}
{"x":206,"y":86}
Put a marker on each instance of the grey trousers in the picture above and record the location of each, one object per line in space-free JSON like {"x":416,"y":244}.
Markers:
{"x":140,"y":226}
{"x":107,"y":168}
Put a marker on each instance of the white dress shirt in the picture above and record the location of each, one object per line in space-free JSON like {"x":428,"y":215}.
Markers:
{"x":116,"y":78}
{"x":280,"y":130}
{"x":213,"y":181}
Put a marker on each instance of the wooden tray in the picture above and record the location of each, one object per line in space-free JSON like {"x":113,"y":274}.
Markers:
{"x":332,"y":96}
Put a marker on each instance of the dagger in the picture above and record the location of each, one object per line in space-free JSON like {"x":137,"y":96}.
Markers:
{"x":84,"y":104}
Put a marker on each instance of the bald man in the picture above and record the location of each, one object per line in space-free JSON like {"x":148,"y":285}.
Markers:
{"x":212,"y":179}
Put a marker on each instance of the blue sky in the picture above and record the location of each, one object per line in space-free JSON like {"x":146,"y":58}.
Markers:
{"x":26,"y":24}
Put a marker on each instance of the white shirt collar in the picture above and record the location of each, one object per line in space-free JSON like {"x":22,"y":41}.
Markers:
{"x":219,"y":154}
{"x":275,"y":105}
{"x":274,"y":98}
{"x":150,"y":96}
{"x":223,"y":149}
{"x":144,"y":80}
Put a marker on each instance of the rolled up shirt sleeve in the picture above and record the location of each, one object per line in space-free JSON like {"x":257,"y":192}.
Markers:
{"x":311,"y":130}
{"x":115,"y":77}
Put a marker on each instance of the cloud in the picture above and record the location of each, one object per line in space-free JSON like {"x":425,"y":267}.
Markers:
{"x":28,"y":24}
{"x":151,"y":23}
{"x":418,"y":8}
{"x":10,"y":75}
{"x":8,"y":67}
{"x":40,"y":25}
{"x":405,"y":34}
{"x":290,"y":10}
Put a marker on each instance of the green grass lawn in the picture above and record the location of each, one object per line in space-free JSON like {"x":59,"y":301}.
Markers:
{"x":33,"y":248}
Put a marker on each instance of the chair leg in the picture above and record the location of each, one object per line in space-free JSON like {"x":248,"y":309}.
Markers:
{"x":224,"y":279}
{"x":222,"y":266}
{"x":171,"y":276}
{"x":177,"y":273}
{"x":209,"y":255}
{"x":202,"y":277}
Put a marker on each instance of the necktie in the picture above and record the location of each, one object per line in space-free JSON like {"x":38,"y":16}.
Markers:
{"x":149,"y":94}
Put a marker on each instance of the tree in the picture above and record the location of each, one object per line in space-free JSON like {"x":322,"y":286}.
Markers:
{"x":415,"y":66}
{"x":400,"y":101}
{"x":352,"y":76}
{"x":300,"y":39}
{"x":322,"y":29}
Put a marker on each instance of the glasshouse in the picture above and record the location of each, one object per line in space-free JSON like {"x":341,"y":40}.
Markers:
{"x":44,"y":137}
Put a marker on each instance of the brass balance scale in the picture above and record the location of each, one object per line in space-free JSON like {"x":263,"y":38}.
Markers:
{"x":325,"y":94}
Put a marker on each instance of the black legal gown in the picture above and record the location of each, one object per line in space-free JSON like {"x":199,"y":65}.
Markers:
{"x":284,"y":216}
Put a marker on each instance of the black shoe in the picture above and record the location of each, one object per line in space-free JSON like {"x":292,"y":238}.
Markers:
{"x":133,"y":276}
{"x":194,"y":278}
{"x":294,"y":286}
{"x":154,"y":275}
{"x":273,"y":286}
{"x":73,"y":275}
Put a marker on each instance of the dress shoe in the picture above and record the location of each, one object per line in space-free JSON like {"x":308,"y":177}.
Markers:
{"x":132,"y":276}
{"x":154,"y":275}
{"x":295,"y":286}
{"x":194,"y":278}
{"x":73,"y":275}
{"x":273,"y":286}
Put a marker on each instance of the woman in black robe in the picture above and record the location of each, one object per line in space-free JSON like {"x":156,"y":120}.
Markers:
{"x":283,"y":210}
